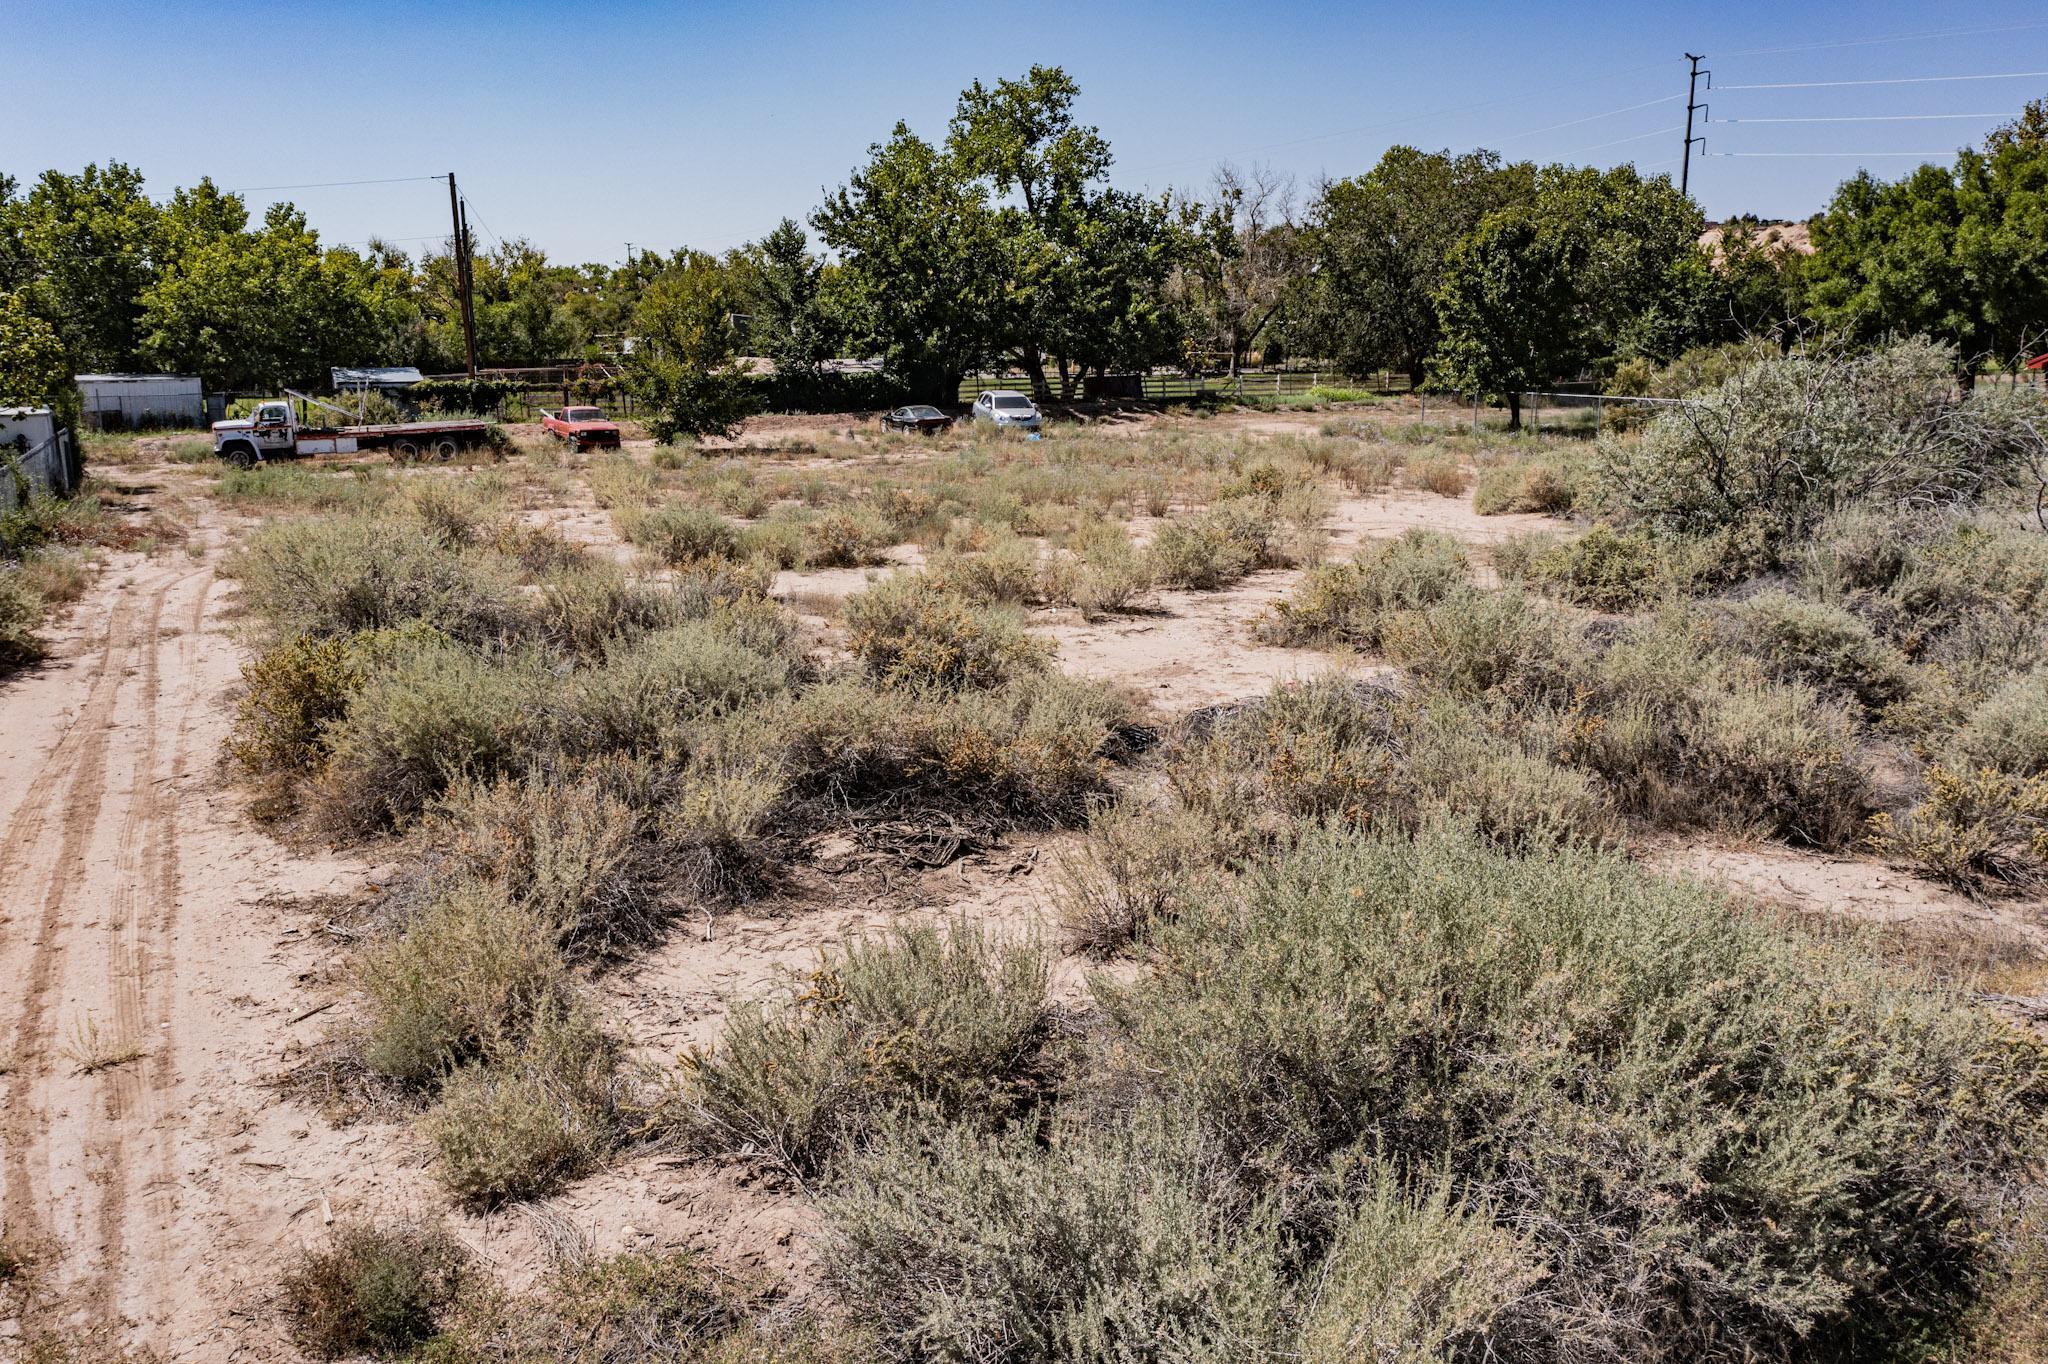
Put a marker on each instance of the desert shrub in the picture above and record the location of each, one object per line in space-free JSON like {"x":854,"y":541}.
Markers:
{"x":455,"y":511}
{"x":1102,"y":1245}
{"x":2009,"y":730}
{"x":588,"y":606}
{"x":1974,"y":595}
{"x":1569,"y":1042}
{"x":619,"y":481}
{"x":953,"y":1021}
{"x":1606,"y":569}
{"x":1823,"y":646}
{"x":536,"y":1115}
{"x":1215,"y":548}
{"x":345,"y":574}
{"x":1099,"y":572}
{"x":1787,"y":440}
{"x":628,"y":1308}
{"x":910,"y":630}
{"x":645,"y":688}
{"x":437,"y":714}
{"x":1348,"y":603}
{"x":292,"y":692}
{"x":21,"y":613}
{"x":377,"y":1290}
{"x":462,"y":982}
{"x":847,"y":537}
{"x":678,"y":533}
{"x":1977,"y":827}
{"x":1337,"y":751}
{"x":987,"y":569}
{"x":1441,"y":474}
{"x":1546,"y":484}
{"x":1475,"y":643}
{"x":577,"y":848}
{"x":1133,"y":871}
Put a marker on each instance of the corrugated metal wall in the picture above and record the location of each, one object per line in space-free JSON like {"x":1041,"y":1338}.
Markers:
{"x":126,"y":403}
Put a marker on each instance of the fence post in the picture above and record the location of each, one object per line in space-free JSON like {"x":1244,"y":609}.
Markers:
{"x":1475,"y":411}
{"x":1599,"y":415}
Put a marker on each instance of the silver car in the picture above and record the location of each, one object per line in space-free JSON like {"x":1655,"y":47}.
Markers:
{"x":1007,"y":408}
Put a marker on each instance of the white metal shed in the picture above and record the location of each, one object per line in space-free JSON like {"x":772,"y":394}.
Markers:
{"x":121,"y":402}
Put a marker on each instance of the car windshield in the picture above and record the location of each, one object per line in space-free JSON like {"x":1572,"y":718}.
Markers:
{"x":921,"y":412}
{"x":1014,"y":404}
{"x":583,"y":414}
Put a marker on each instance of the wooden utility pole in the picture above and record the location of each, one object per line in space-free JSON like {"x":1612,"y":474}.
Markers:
{"x":1692,"y":87}
{"x":458,"y":217}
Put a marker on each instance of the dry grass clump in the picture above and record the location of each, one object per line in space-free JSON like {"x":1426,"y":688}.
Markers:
{"x":1549,"y":484}
{"x":676,"y":533}
{"x":376,"y":1290}
{"x":1431,"y":1004}
{"x":1440,"y":473}
{"x":1826,"y":647}
{"x":1098,"y":572}
{"x":953,"y":1022}
{"x":2008,"y":730}
{"x":1605,"y":569}
{"x":913,"y":630}
{"x":1348,"y":603}
{"x":1977,"y":828}
{"x":21,"y":614}
{"x":340,"y":575}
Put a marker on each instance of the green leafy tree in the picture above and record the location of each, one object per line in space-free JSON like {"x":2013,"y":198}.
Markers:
{"x":1956,"y":253}
{"x":1645,"y":285}
{"x":257,"y":310}
{"x":93,"y":243}
{"x":32,"y":368}
{"x":1244,"y":254}
{"x":923,"y":275}
{"x":684,"y":367}
{"x":2030,"y":129}
{"x":1508,"y":305}
{"x":792,"y":324}
{"x":1377,"y":245}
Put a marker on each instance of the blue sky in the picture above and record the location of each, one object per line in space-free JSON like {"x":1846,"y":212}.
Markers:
{"x":587,"y":126}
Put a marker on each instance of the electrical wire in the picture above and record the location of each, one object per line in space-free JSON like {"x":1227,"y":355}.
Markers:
{"x":1946,"y":151}
{"x":1639,"y":137}
{"x":1876,"y":42}
{"x":1858,"y":118}
{"x":1593,"y":118}
{"x":334,"y":184}
{"x":1892,"y":80}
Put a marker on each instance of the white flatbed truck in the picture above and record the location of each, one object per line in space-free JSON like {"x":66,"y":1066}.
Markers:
{"x":273,"y":432}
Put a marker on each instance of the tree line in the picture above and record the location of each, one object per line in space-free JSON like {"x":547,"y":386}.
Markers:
{"x":1003,"y":244}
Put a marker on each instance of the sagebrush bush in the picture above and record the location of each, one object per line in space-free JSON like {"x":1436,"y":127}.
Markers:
{"x":1135,"y":868}
{"x":987,"y":569}
{"x":1348,"y":603}
{"x":589,"y":605}
{"x":1976,"y":827}
{"x":1215,"y":548}
{"x":1719,"y":1134}
{"x":1106,"y":1244}
{"x":293,"y":691}
{"x":341,"y":575}
{"x":1475,"y":643}
{"x":1823,"y":646}
{"x":677,"y":533}
{"x":1538,"y":484}
{"x":1606,"y":569}
{"x":436,"y":714}
{"x":21,"y":613}
{"x":647,"y":687}
{"x":629,"y":1308}
{"x":535,"y":1115}
{"x":911,"y":630}
{"x":1099,"y":572}
{"x":2009,"y":730}
{"x":462,"y":982}
{"x":951,"y":1020}
{"x":378,"y":1290}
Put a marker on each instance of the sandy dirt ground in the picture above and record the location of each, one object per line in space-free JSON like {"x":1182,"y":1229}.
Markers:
{"x":167,"y":962}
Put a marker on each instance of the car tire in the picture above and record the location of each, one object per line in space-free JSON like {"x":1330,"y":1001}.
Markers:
{"x":446,"y":449}
{"x":405,"y":451}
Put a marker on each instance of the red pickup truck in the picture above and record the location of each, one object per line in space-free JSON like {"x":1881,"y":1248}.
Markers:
{"x":582,"y":428}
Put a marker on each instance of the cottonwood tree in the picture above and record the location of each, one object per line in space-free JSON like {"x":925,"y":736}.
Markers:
{"x":1508,"y":305}
{"x":93,"y":245}
{"x":785,"y":285}
{"x":1645,"y":286}
{"x":1377,"y":244}
{"x":32,"y":367}
{"x":923,"y":275}
{"x":1245,"y":252}
{"x":1958,"y":253}
{"x":685,"y":367}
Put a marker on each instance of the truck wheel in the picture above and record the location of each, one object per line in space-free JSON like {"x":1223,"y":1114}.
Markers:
{"x":405,"y":451}
{"x":240,"y":456}
{"x":445,"y":449}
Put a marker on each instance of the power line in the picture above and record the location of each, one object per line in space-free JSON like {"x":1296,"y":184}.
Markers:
{"x":1639,"y":137}
{"x":1946,"y":151}
{"x":334,"y":184}
{"x":1893,"y":80}
{"x":1860,"y":118}
{"x":1592,"y":118}
{"x":1894,"y":38}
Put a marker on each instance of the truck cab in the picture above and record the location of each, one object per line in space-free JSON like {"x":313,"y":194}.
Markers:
{"x":269,"y":430}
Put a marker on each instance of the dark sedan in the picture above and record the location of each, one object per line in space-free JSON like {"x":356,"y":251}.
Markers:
{"x":923,"y":419}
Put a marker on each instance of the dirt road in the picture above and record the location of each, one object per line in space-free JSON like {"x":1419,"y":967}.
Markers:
{"x":148,"y":979}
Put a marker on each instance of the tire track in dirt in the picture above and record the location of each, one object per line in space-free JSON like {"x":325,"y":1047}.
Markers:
{"x":105,"y":737}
